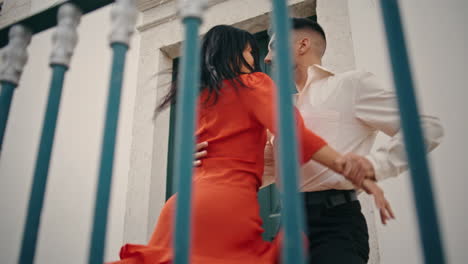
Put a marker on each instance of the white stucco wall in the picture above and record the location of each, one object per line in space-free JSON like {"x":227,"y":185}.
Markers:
{"x":437,"y":41}
{"x":13,"y":9}
{"x":67,"y":216}
{"x":437,"y":45}
{"x":161,"y":35}
{"x":16,"y":10}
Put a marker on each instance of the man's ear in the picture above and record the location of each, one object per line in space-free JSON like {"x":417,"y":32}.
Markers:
{"x":304,"y":45}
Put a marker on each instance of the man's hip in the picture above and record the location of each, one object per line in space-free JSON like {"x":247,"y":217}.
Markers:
{"x":336,"y":227}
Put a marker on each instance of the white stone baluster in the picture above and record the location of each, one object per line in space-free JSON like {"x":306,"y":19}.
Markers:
{"x":65,"y":36}
{"x":123,"y":16}
{"x":192,"y":8}
{"x":14,"y":55}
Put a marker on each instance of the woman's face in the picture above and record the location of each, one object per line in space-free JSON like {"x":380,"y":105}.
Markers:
{"x":248,"y":58}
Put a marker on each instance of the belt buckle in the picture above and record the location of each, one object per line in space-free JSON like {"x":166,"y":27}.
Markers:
{"x":335,"y":200}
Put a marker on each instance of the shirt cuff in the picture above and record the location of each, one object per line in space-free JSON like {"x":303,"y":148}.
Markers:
{"x":378,"y":170}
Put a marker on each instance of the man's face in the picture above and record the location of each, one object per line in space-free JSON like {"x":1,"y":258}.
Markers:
{"x":305,"y":45}
{"x":271,"y":49}
{"x":271,"y":45}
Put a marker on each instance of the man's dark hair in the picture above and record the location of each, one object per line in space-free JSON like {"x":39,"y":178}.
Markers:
{"x":305,"y":23}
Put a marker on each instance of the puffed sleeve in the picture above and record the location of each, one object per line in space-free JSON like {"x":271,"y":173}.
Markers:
{"x":259,"y":99}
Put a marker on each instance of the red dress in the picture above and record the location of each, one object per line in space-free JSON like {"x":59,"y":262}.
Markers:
{"x":226,"y":224}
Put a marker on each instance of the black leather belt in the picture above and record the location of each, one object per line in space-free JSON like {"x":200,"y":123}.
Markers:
{"x":330,"y":198}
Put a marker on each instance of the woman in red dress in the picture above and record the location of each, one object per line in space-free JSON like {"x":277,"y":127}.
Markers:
{"x":236,"y":107}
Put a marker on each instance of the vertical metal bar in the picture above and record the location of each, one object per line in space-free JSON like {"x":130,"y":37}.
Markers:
{"x":184,"y":137}
{"x":107,"y":156}
{"x":421,"y":181}
{"x":124,"y":15}
{"x":64,"y":42}
{"x":6,"y":95}
{"x":14,"y":57}
{"x":293,"y":250}
{"x":36,"y":198}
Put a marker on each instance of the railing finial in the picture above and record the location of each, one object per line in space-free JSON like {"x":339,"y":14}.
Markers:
{"x":15,"y":55}
{"x":123,"y":15}
{"x":65,"y":37}
{"x":192,"y":8}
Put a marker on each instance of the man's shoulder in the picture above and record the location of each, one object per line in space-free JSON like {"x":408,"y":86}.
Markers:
{"x":354,"y":75}
{"x":364,"y":83}
{"x":354,"y":79}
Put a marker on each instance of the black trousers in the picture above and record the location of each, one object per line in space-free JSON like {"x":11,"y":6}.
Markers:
{"x":338,"y":234}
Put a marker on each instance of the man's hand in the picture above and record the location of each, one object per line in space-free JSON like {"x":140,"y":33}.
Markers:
{"x":356,"y":168}
{"x":386,"y":212}
{"x":200,"y":153}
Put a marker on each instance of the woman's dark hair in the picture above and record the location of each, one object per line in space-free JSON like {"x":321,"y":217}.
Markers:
{"x":221,"y":59}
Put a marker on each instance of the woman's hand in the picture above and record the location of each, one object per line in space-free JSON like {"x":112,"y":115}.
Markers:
{"x":356,"y":168}
{"x":353,"y":167}
{"x":200,"y":153}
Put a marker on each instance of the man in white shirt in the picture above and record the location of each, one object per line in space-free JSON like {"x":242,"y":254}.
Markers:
{"x":347,"y":110}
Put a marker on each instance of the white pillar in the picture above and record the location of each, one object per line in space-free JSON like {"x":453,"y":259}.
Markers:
{"x":333,"y":16}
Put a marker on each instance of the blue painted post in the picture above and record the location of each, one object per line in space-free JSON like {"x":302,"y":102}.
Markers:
{"x":36,"y":198}
{"x":14,"y":57}
{"x":429,"y":231}
{"x":189,"y":80}
{"x":293,"y":248}
{"x":64,"y":41}
{"x":124,"y":15}
{"x":6,"y":95}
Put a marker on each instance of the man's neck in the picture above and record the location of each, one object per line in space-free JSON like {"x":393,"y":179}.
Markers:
{"x":316,"y":74}
{"x":304,"y":73}
{"x":301,"y":76}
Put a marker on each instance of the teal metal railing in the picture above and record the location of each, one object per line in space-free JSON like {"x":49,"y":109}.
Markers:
{"x":6,"y":95}
{"x":36,"y":198}
{"x":68,"y":19}
{"x":124,"y":17}
{"x":191,"y":11}
{"x":64,"y":40}
{"x":429,"y":231}
{"x":185,"y":127}
{"x":14,"y":57}
{"x":292,"y":215}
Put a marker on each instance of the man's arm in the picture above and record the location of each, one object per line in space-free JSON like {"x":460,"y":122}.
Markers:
{"x":352,"y":166}
{"x":377,"y":107}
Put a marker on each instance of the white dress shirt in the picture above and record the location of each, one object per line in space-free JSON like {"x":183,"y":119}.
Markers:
{"x":348,"y":110}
